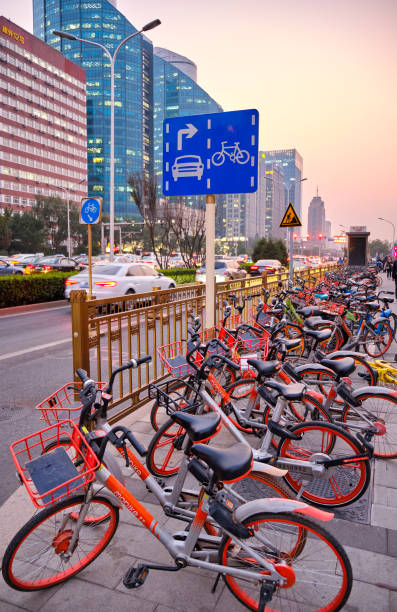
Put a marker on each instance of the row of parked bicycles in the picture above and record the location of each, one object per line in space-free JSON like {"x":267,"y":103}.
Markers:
{"x":261,"y":429}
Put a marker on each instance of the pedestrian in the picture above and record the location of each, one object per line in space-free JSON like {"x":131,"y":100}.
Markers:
{"x":385,"y":260}
{"x":389,"y":266}
{"x":394,"y":274}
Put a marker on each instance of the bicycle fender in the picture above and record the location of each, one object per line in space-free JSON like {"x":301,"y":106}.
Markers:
{"x":278,"y":505}
{"x":265,"y":468}
{"x":358,"y":394}
{"x":379,"y":320}
{"x":346,"y":353}
{"x":316,"y":368}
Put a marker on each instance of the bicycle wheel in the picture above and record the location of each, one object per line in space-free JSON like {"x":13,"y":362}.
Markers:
{"x":343,"y":484}
{"x":318,"y":579}
{"x":242,"y":157}
{"x":35,"y":560}
{"x":165,"y":453}
{"x":158,"y":414}
{"x":393,"y":323}
{"x":377,"y":341}
{"x":319,"y":380}
{"x":218,"y":158}
{"x":381,"y":409}
{"x":65,"y":442}
{"x":335,"y":341}
{"x":292,"y":332}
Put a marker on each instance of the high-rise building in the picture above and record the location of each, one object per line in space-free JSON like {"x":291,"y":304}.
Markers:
{"x":43,"y":137}
{"x":101,"y":22}
{"x":291,"y":164}
{"x":256,"y":204}
{"x":176,"y":94}
{"x":328,"y":229}
{"x":275,"y":203}
{"x":316,"y":217}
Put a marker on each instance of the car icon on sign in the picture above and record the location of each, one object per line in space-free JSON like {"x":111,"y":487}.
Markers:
{"x":187,"y":165}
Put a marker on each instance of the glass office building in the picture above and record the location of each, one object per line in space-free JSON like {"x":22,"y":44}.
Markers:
{"x":176,"y":94}
{"x":291,"y":164}
{"x":100,"y":21}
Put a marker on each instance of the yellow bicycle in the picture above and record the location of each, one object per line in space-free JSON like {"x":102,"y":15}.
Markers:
{"x":387,"y":374}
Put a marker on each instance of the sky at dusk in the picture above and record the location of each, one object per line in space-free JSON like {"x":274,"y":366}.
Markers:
{"x":322,"y":73}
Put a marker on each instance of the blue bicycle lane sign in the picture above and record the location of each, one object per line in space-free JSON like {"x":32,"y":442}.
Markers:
{"x":91,"y":209}
{"x":210,"y":154}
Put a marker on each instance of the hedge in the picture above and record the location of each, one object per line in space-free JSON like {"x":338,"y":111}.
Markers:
{"x":181,"y":275}
{"x":18,"y":290}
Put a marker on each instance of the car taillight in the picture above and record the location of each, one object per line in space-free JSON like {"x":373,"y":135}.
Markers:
{"x":47,"y":268}
{"x":106,"y":283}
{"x":254,"y":268}
{"x":70,"y":282}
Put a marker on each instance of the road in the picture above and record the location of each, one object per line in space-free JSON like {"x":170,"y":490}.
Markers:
{"x":35,"y":359}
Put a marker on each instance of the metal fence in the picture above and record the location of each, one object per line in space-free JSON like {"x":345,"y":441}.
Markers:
{"x":108,"y":332}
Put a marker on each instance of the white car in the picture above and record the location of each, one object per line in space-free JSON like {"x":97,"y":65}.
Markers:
{"x":115,"y":279}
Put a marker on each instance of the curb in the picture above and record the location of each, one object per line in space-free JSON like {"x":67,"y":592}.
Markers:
{"x":27,"y":307}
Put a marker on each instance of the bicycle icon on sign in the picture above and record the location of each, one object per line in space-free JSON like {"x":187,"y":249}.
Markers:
{"x":233,"y":152}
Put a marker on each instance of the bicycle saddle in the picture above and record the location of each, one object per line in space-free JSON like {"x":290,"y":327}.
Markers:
{"x":341,"y":367}
{"x":309,"y":311}
{"x":289,"y":392}
{"x":320,"y":335}
{"x":371,"y":305}
{"x":199,"y":427}
{"x":228,"y":464}
{"x":264,"y":368}
{"x":312,"y":321}
{"x":388,"y":300}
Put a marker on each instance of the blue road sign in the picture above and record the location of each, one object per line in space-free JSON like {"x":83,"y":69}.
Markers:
{"x":209,"y":154}
{"x":91,"y":209}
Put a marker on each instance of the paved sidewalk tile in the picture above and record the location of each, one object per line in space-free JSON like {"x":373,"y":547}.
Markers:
{"x":33,"y":602}
{"x":385,"y":473}
{"x":384,"y":516}
{"x":373,"y":568}
{"x":385,"y":496}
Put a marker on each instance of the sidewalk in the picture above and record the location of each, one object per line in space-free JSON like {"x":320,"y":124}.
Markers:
{"x":372,"y":550}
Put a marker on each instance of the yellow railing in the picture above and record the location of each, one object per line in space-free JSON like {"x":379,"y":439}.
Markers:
{"x":108,"y":332}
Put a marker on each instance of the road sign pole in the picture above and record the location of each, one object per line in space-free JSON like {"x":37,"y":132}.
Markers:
{"x":291,"y":253}
{"x":210,"y":261}
{"x":89,"y":262}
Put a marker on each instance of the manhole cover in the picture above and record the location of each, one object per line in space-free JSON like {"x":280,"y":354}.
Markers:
{"x":10,"y":412}
{"x":357,"y":512}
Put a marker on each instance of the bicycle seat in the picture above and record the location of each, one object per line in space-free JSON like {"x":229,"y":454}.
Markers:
{"x":371,"y":305}
{"x":388,"y":300}
{"x":199,"y":427}
{"x":308,"y":311}
{"x":228,"y":463}
{"x":289,"y":392}
{"x":341,"y":367}
{"x":320,"y":335}
{"x":312,"y":321}
{"x":264,"y":368}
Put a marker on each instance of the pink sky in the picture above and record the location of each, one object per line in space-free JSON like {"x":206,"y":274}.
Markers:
{"x":322,"y":73}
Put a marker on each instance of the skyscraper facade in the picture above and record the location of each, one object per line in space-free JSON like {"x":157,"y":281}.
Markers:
{"x":316,"y":217}
{"x":275,"y":203}
{"x":176,"y":94}
{"x":256,"y":205}
{"x":101,"y":22}
{"x":43,"y":138}
{"x":291,"y":164}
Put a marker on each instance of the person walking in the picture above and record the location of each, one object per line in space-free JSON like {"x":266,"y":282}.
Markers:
{"x":389,"y":266}
{"x":394,"y":274}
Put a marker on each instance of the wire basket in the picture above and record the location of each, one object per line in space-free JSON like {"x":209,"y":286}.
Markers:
{"x":173,"y":358}
{"x":63,"y":404}
{"x":331,"y":307}
{"x":249,"y":342}
{"x":54,"y":462}
{"x":175,"y":397}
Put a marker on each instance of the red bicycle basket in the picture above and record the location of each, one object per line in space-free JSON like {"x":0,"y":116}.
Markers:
{"x":49,"y":475}
{"x":174,"y":360}
{"x":63,"y":404}
{"x":248,"y":342}
{"x":332,"y":307}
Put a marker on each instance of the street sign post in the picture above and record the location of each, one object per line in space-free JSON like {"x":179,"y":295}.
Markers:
{"x":206,"y":155}
{"x":291,"y":220}
{"x":90,"y":214}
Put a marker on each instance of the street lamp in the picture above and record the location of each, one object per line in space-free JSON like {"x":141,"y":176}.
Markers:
{"x":66,"y":192}
{"x":112,"y":58}
{"x":394,"y":229}
{"x":291,"y":233}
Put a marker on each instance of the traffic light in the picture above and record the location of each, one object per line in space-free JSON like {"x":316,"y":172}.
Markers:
{"x":395,"y":250}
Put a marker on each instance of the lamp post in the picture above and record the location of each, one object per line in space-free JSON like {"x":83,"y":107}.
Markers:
{"x":112,"y":58}
{"x":394,"y":230}
{"x":66,"y":192}
{"x":291,"y":233}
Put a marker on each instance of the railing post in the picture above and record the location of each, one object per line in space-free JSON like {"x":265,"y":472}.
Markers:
{"x":81,"y":357}
{"x":264,"y":280}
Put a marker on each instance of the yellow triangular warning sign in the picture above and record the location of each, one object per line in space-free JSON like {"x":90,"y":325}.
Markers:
{"x":290,"y":218}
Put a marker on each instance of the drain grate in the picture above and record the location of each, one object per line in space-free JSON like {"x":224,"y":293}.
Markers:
{"x":359,"y":512}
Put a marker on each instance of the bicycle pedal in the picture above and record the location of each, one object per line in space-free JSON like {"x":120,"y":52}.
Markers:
{"x":135,"y":576}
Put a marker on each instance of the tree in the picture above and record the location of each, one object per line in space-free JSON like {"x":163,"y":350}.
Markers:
{"x":268,"y":248}
{"x":383,"y":247}
{"x":52,"y":213}
{"x":144,"y":194}
{"x":188,"y":227}
{"x":28,"y":233}
{"x":5,"y":231}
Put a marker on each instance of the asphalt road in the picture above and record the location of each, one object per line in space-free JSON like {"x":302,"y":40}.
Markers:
{"x":35,"y":359}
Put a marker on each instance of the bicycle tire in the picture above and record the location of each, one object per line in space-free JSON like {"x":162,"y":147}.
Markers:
{"x":292,"y":331}
{"x":335,"y":342}
{"x":158,"y":414}
{"x":220,"y":158}
{"x":355,"y":476}
{"x":382,"y":448}
{"x":38,"y":545}
{"x":373,"y":338}
{"x":328,"y":559}
{"x":168,"y":436}
{"x":242,"y":157}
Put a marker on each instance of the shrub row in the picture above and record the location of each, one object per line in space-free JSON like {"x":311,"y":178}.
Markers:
{"x":181,"y":275}
{"x":31,"y":289}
